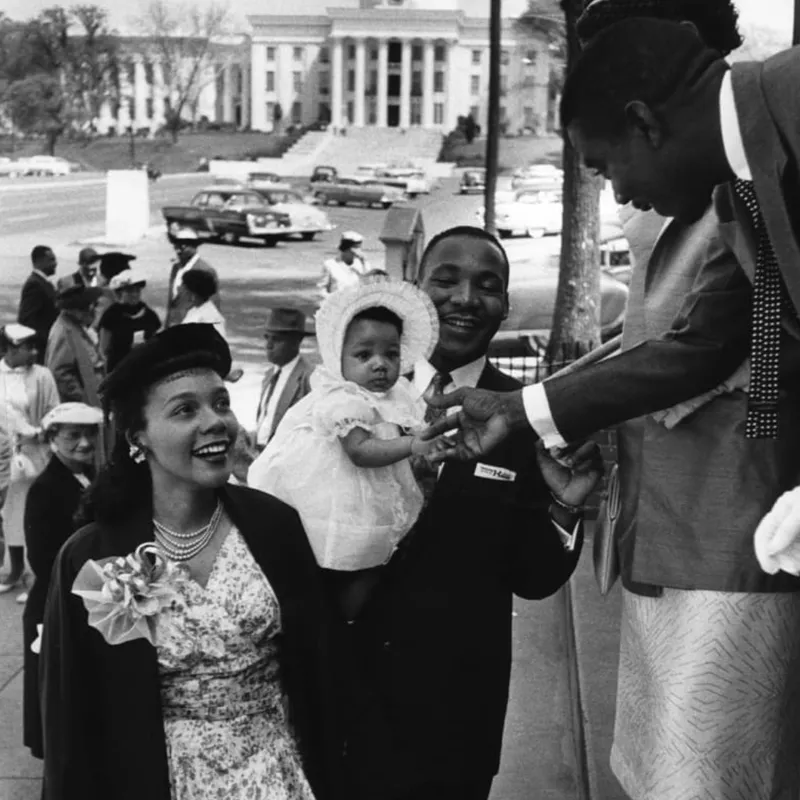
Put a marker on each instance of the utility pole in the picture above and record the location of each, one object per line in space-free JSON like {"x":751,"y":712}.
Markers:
{"x":493,"y":117}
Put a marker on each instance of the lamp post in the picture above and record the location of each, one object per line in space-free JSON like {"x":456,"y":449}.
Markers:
{"x":493,"y":116}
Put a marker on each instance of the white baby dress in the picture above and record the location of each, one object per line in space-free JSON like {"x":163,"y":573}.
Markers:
{"x":353,"y":516}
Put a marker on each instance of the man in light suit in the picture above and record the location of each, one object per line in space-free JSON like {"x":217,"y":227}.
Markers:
{"x":37,"y":303}
{"x":287,"y":378}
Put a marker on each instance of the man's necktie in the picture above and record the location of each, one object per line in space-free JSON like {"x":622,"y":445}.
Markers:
{"x":273,"y":382}
{"x":762,"y":409}
{"x":425,"y":472}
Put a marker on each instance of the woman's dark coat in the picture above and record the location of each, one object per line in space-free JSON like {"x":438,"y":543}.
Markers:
{"x":51,"y":504}
{"x":104,"y":731}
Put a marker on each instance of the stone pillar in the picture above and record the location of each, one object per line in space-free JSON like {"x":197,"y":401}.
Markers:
{"x":258,"y":87}
{"x":227,"y":92}
{"x":383,"y":81}
{"x":140,"y":93}
{"x":159,"y":93}
{"x":452,"y":94}
{"x":336,"y":83}
{"x":361,"y":67}
{"x":428,"y":69}
{"x":246,"y":95}
{"x":405,"y":85}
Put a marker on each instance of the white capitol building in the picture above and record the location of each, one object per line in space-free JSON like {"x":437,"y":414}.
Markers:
{"x":358,"y":63}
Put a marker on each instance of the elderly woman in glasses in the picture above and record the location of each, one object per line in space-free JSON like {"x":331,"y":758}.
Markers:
{"x":71,"y":430}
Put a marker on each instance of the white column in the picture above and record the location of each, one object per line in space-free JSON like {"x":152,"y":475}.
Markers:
{"x":383,"y":81}
{"x":140,"y":90}
{"x":159,"y":93}
{"x":427,"y":84}
{"x":361,"y":66}
{"x":227,"y":93}
{"x":336,"y":83}
{"x":451,"y":85}
{"x":258,"y":87}
{"x":246,"y":95}
{"x":405,"y":85}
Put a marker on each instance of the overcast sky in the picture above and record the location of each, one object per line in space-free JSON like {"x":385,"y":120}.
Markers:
{"x":775,"y":14}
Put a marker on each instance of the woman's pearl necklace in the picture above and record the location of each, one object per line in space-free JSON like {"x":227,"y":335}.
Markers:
{"x":185,"y":546}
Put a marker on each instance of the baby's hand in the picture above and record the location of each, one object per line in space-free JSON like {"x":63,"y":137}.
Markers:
{"x":433,"y":450}
{"x":777,"y":538}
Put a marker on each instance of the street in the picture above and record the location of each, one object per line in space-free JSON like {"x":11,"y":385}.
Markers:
{"x":544,"y":754}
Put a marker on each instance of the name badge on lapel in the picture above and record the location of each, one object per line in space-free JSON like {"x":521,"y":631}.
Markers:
{"x":493,"y":473}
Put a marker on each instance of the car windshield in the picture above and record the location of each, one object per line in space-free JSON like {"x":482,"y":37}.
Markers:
{"x":245,"y":200}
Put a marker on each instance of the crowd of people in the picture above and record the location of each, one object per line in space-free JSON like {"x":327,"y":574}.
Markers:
{"x":321,"y":607}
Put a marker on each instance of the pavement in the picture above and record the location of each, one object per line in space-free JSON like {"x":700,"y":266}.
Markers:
{"x":561,"y":711}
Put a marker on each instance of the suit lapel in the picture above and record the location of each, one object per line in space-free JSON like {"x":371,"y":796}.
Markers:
{"x":263,"y":397}
{"x":287,"y":397}
{"x":767,"y":160}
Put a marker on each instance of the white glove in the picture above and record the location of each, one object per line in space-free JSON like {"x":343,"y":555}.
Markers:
{"x":777,"y":538}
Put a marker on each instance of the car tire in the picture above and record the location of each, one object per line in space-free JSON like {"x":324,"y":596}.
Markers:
{"x":341,"y":202}
{"x":503,"y":234}
{"x":308,"y":236}
{"x":229,"y":238}
{"x":386,"y":205}
{"x":270,"y":241}
{"x":413,"y":196}
{"x":535,"y":233}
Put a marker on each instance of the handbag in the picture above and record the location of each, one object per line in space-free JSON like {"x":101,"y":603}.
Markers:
{"x":606,"y":558}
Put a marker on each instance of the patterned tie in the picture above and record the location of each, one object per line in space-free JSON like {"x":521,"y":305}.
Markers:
{"x":426,"y":473}
{"x":762,"y":409}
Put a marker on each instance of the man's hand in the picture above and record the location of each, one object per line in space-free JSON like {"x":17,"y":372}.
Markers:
{"x":574,"y":480}
{"x":484,"y":421}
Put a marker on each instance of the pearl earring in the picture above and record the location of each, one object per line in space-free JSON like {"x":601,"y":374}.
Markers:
{"x":136,"y":453}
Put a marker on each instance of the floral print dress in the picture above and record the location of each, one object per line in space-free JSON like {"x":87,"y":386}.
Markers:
{"x":224,"y":717}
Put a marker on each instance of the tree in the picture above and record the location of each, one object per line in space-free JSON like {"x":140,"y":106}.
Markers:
{"x":181,"y":39}
{"x":576,"y":318}
{"x":36,"y":105}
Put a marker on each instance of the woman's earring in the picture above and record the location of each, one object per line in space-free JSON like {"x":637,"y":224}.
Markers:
{"x":136,"y":453}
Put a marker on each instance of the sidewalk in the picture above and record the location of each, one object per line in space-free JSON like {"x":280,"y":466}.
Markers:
{"x":561,"y":712}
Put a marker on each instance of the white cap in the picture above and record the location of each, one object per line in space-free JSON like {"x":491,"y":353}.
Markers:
{"x":126,"y":278}
{"x":17,"y":334}
{"x":352,"y":236}
{"x":72,"y":414}
{"x":183,"y":234}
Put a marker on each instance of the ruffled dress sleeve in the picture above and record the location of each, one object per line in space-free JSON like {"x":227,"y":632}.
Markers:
{"x":343,"y":409}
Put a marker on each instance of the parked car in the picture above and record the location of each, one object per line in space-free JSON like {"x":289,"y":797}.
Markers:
{"x":532,"y":298}
{"x":324,"y":174}
{"x":7,"y":166}
{"x":306,"y":220}
{"x":46,"y":165}
{"x":267,"y":180}
{"x":228,"y":214}
{"x":532,"y":213}
{"x":362,"y":191}
{"x":473,"y":180}
{"x":548,"y":171}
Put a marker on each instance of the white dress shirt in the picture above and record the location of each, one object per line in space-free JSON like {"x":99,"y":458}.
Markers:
{"x":264,"y":429}
{"x":534,"y":397}
{"x":207,"y":313}
{"x":176,"y":287}
{"x":468,"y":377}
{"x":51,"y":279}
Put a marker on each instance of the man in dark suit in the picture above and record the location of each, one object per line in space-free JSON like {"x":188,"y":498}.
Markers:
{"x":670,"y":124}
{"x":438,"y":632}
{"x":287,"y":378}
{"x":88,"y":260}
{"x":37,"y":303}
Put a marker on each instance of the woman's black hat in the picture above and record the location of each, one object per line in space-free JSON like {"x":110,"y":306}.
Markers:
{"x":181,"y":347}
{"x":201,"y":282}
{"x":113,"y":263}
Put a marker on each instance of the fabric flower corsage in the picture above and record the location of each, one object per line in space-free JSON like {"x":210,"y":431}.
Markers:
{"x":777,"y":538}
{"x":123,"y":595}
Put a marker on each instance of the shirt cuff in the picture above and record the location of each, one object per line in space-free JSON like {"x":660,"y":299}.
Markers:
{"x":537,"y":410}
{"x":567,"y":539}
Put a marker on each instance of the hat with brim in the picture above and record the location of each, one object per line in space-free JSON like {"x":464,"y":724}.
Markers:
{"x":286,"y":320}
{"x":350,"y":239}
{"x":77,"y":297}
{"x":72,"y":414}
{"x":187,"y":235}
{"x":414,"y":307}
{"x":88,"y":256}
{"x":176,"y":349}
{"x":113,"y":263}
{"x":15,"y":334}
{"x":127,"y":279}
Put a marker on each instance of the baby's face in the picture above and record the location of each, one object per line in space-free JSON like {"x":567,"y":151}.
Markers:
{"x":371,"y":355}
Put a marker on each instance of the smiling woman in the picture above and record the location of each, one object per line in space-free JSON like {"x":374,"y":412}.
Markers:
{"x":228,"y":591}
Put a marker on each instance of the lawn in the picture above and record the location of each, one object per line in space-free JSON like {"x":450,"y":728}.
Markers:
{"x":115,"y":152}
{"x":513,"y":152}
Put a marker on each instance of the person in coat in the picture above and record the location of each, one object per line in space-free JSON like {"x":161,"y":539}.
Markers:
{"x":185,"y":241}
{"x":72,"y":353}
{"x":72,"y":430}
{"x":37,"y":302}
{"x":27,"y":393}
{"x":438,"y":634}
{"x":286,"y":379}
{"x":243,"y":610}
